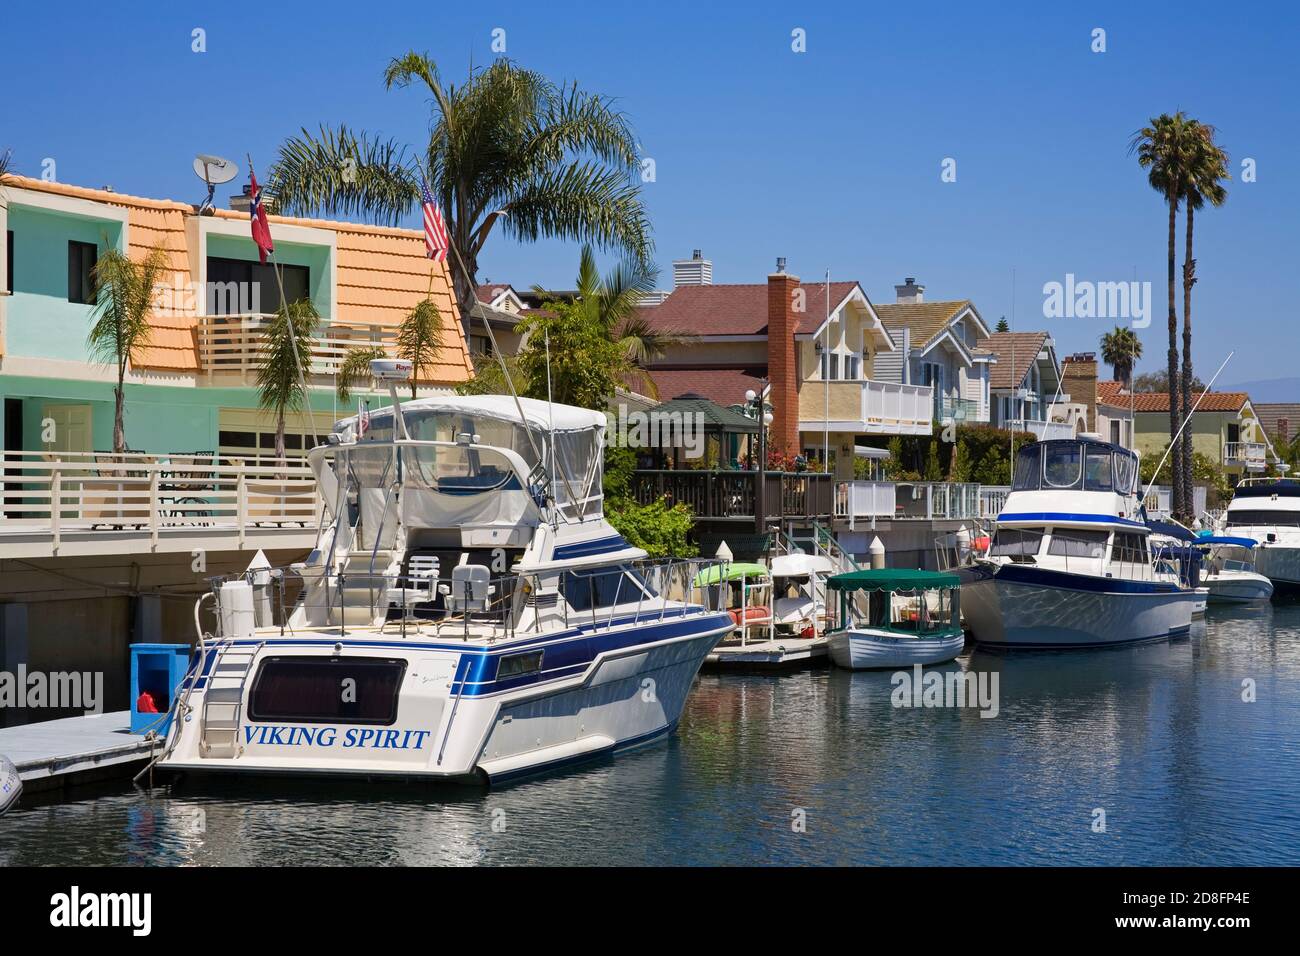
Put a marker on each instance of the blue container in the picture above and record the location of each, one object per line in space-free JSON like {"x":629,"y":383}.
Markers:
{"x":158,"y":669}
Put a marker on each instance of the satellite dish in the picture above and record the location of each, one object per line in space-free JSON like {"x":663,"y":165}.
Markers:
{"x":214,"y":171}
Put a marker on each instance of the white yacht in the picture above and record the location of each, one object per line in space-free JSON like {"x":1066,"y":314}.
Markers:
{"x":1228,"y":574}
{"x":1070,"y":564}
{"x":467,"y":613}
{"x":1268,"y":510}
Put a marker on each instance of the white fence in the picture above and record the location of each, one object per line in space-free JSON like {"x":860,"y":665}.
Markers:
{"x":907,"y":500}
{"x":1043,"y":431}
{"x":897,"y":409}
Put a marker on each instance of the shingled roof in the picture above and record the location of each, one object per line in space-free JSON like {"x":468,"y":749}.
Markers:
{"x":725,"y":386}
{"x":739,"y":309}
{"x":1271,"y":413}
{"x":1016,"y":352}
{"x":925,"y":319}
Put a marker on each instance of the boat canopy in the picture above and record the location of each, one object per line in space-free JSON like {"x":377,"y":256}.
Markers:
{"x":892,"y":579}
{"x":730,"y":572}
{"x":1247,"y":543}
{"x":800,"y":565}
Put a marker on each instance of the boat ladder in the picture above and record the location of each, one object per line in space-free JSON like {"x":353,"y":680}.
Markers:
{"x":223,"y":699}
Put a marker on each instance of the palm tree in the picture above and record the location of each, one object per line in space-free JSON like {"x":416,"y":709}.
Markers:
{"x":419,"y":339}
{"x":1120,"y":349}
{"x":1162,"y":150}
{"x":614,"y":304}
{"x":124,"y":299}
{"x":1207,"y":167}
{"x":284,"y":362}
{"x":545,"y":160}
{"x":355,"y":370}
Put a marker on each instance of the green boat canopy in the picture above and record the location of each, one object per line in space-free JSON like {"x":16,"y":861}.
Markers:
{"x":892,"y":579}
{"x":735,"y":571}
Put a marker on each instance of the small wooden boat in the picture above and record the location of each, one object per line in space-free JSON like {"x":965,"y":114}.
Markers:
{"x":892,"y":617}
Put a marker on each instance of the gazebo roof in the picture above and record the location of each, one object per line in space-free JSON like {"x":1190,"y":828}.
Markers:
{"x":717,"y":418}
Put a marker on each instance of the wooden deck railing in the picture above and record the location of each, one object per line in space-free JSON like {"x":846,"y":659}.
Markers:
{"x":733,"y":494}
{"x":232,"y":343}
{"x":61,"y":492}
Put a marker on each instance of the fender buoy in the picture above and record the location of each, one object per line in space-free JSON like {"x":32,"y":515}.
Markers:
{"x":145,"y":704}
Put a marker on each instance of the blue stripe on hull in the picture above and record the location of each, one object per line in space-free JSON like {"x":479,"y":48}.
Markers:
{"x":1064,"y":580}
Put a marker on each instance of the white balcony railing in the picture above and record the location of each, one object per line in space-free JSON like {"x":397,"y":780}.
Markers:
{"x":907,"y":500}
{"x":1043,"y":431}
{"x":1248,"y":453}
{"x":50,"y":497}
{"x":232,"y":344}
{"x":892,"y":409}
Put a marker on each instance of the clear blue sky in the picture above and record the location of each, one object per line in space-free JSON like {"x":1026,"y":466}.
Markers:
{"x":830,"y":157}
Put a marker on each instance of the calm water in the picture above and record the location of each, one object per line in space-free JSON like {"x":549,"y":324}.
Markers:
{"x":1157,"y":736}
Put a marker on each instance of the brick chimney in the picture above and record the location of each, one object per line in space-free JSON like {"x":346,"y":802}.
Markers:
{"x":1079,"y":381}
{"x":782,"y":360}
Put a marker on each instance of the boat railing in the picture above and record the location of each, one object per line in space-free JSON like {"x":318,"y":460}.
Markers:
{"x":493,"y":608}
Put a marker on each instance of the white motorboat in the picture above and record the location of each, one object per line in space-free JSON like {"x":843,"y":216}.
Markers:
{"x":1070,"y":564}
{"x":1228,"y":571}
{"x":799,"y":584}
{"x":467,"y":613}
{"x":890,"y":618}
{"x":11,"y":784}
{"x":1268,"y":511}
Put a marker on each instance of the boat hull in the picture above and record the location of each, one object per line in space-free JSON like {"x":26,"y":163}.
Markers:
{"x":1281,"y":565}
{"x":861,"y":650}
{"x":452,"y":727}
{"x":1240,"y":587}
{"x":1033,"y":609}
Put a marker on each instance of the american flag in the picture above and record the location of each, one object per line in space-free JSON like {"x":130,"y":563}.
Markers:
{"x":435,"y":229}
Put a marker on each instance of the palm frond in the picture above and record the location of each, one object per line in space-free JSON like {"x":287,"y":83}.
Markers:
{"x":125,"y":293}
{"x":284,"y":360}
{"x":338,"y":172}
{"x":419,"y":339}
{"x":356,"y":369}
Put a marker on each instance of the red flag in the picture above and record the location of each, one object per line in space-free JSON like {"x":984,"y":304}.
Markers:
{"x":261,"y":227}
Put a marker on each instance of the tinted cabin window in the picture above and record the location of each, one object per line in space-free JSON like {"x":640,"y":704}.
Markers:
{"x":1129,"y":548}
{"x":1098,"y":473}
{"x":1257,"y":517}
{"x":82,"y":257}
{"x":1062,"y":465}
{"x":316,"y":690}
{"x":584,"y":591}
{"x":1016,"y":543}
{"x":1125,"y":472}
{"x":1078,"y":544}
{"x":1028,"y":468}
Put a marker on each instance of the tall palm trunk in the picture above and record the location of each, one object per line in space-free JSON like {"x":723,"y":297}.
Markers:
{"x":1189,"y":279}
{"x":1176,"y":456}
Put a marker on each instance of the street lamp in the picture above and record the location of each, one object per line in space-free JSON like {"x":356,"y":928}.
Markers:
{"x":761,"y":412}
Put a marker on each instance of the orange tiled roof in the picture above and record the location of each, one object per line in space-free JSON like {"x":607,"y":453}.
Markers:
{"x":382,"y":273}
{"x":1114,"y":393}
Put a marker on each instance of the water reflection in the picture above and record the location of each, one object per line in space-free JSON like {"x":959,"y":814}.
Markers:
{"x":1189,"y":747}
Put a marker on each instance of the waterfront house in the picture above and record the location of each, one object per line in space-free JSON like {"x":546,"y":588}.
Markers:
{"x":1224,"y":427}
{"x":193,"y":386}
{"x":1280,"y":420}
{"x":1025,"y":383}
{"x":814,"y":354}
{"x":938,"y":345}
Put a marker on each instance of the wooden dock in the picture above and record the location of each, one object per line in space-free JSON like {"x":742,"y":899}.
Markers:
{"x":55,"y":753}
{"x":783,"y":652}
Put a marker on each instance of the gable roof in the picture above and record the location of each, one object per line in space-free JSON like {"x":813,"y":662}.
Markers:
{"x":1016,"y":352}
{"x":739,"y":309}
{"x":927,"y":320}
{"x":381,"y":274}
{"x":1270,"y":413}
{"x":1114,"y":393}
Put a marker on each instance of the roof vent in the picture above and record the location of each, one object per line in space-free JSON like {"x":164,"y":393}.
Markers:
{"x":780,"y":263}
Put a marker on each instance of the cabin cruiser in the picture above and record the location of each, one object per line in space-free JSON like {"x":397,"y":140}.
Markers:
{"x":799,"y":584}
{"x":908,"y":617}
{"x":1228,"y":574}
{"x":1070,"y":563}
{"x":1268,"y":510}
{"x":466,"y":615}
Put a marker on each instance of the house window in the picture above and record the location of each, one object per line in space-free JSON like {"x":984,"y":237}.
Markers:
{"x":830,"y":366}
{"x":9,"y":261}
{"x":1114,"y":433}
{"x":82,"y":257}
{"x":237,"y":287}
{"x":851,"y":367}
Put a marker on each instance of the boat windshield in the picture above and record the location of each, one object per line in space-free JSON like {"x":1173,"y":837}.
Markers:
{"x":1074,"y":466}
{"x":1262,"y":518}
